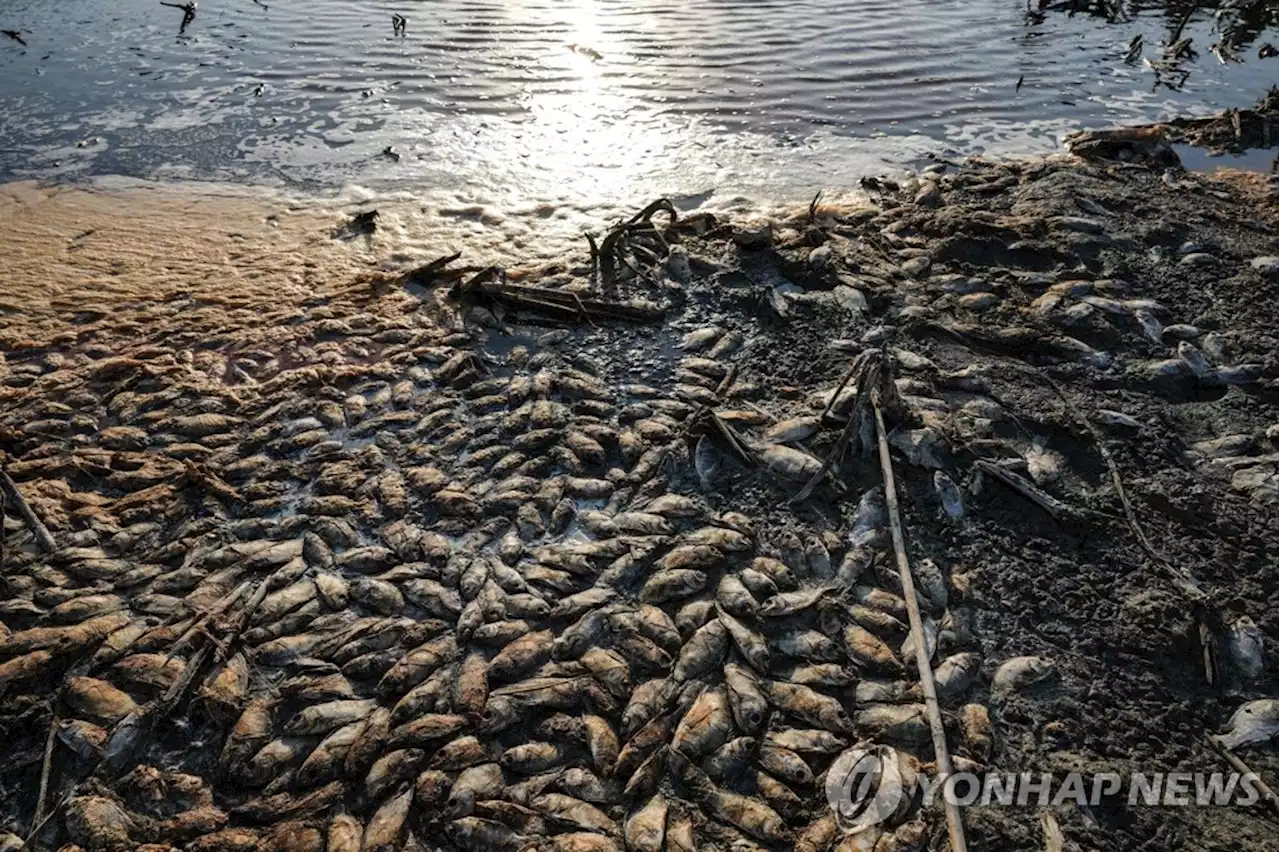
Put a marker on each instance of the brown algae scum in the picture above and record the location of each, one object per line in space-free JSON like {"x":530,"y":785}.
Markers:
{"x":596,"y":556}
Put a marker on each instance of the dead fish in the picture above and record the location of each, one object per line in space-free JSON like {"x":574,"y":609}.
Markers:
{"x":276,"y":758}
{"x":98,"y":823}
{"x":647,"y":701}
{"x":1020,"y":672}
{"x":818,"y":674}
{"x":705,"y":650}
{"x":576,"y":813}
{"x":642,"y":523}
{"x":723,"y":538}
{"x":645,"y":830}
{"x":1195,"y":361}
{"x":731,"y":759}
{"x":809,"y":741}
{"x":782,"y":762}
{"x":323,"y":718}
{"x":820,"y":835}
{"x":1245,"y":648}
{"x":531,"y":757}
{"x":392,"y":769}
{"x":866,"y":649}
{"x":1044,"y":465}
{"x":876,"y":691}
{"x":602,"y":742}
{"x":368,"y":744}
{"x":485,"y":781}
{"x":680,"y":831}
{"x":908,"y":650}
{"x":948,"y":494}
{"x":386,"y":826}
{"x":877,"y":621}
{"x":98,"y":699}
{"x":743,"y":812}
{"x":25,"y":667}
{"x":325,"y":761}
{"x":902,"y":722}
{"x":700,"y":338}
{"x":975,"y":731}
{"x":807,"y":645}
{"x":250,"y":731}
{"x":954,"y":674}
{"x":708,"y":463}
{"x":706,"y":726}
{"x":734,"y":597}
{"x":749,"y":643}
{"x":790,"y":603}
{"x":426,"y":729}
{"x":459,"y":754}
{"x":521,"y":656}
{"x":476,"y":834}
{"x":432,"y":787}
{"x":793,"y":430}
{"x":1252,"y":722}
{"x":415,"y":666}
{"x":668,"y":585}
{"x":610,"y":669}
{"x":345,"y":834}
{"x":471,"y":691}
{"x":809,"y":705}
{"x":747,"y":699}
{"x":84,"y":738}
{"x":788,"y":463}
{"x":574,"y":640}
{"x":932,"y":584}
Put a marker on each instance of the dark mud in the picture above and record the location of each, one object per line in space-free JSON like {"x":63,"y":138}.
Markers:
{"x":1150,"y":293}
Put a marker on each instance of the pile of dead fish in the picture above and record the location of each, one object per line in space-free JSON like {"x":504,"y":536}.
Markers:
{"x":458,"y":606}
{"x":418,"y":592}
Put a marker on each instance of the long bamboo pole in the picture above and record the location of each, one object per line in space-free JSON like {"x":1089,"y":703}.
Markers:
{"x":955,"y":827}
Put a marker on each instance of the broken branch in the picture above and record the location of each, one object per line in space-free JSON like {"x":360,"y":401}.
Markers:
{"x":15,"y":498}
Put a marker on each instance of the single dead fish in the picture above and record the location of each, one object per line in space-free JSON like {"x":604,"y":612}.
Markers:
{"x":1253,"y":722}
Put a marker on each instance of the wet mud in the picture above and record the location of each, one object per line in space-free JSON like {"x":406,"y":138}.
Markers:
{"x":348,"y":564}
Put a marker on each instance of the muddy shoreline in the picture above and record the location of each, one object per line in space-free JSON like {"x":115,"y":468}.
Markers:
{"x":289,"y":500}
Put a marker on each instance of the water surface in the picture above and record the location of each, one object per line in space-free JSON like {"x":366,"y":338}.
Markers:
{"x":487,"y":109}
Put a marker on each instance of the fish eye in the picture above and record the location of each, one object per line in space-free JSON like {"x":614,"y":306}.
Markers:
{"x":755,"y":718}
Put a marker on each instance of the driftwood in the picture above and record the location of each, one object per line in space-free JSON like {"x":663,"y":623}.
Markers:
{"x":490,"y":289}
{"x":14,"y":497}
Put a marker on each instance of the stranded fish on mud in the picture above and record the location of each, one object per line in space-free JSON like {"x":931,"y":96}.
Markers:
{"x":1252,"y":722}
{"x":491,"y":567}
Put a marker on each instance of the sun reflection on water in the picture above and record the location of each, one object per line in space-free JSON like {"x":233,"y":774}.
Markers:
{"x":592,"y":140}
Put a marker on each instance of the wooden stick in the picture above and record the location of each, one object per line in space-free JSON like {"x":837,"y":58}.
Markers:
{"x":215,"y":611}
{"x":1052,"y":505}
{"x":45,"y":769}
{"x":14,"y":496}
{"x":955,"y":827}
{"x":1249,"y":776}
{"x":26,"y":844}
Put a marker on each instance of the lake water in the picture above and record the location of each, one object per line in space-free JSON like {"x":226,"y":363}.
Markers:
{"x":499,"y":110}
